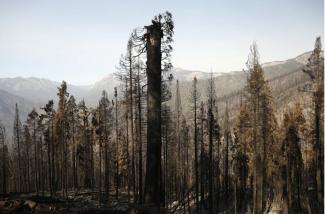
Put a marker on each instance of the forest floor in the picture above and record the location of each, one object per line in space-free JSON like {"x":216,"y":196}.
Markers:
{"x":85,"y":201}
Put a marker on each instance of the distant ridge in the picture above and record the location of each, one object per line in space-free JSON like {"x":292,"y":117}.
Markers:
{"x":35,"y":92}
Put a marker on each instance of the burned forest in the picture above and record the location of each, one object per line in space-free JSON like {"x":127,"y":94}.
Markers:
{"x":159,"y":144}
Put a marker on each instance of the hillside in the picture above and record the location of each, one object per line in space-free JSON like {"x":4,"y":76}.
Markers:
{"x":7,"y":109}
{"x":284,"y":76}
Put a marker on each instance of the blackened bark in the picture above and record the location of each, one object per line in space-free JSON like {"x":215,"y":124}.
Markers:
{"x":49,"y":161}
{"x":211,"y":192}
{"x":319,"y":162}
{"x":140,"y":139}
{"x":132,"y":129}
{"x":52,"y":158}
{"x":196,"y":154}
{"x":202,"y":161}
{"x":17,"y":130}
{"x":226,"y":172}
{"x":100,"y":169}
{"x":152,"y":193}
{"x":116,"y":147}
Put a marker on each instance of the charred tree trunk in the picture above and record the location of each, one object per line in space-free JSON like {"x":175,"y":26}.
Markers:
{"x":35,"y":158}
{"x":42,"y":182}
{"x":74,"y":167}
{"x":106,"y":173}
{"x":65,"y":160}
{"x":318,"y":96}
{"x":49,"y":161}
{"x":226,"y":172}
{"x":100,"y":169}
{"x":196,"y":156}
{"x":202,"y":162}
{"x":17,"y":127}
{"x":152,"y":194}
{"x":52,"y":166}
{"x":132,"y":129}
{"x":127,"y":151}
{"x":140,"y":138}
{"x":92,"y":162}
{"x":211,"y":192}
{"x":116,"y":147}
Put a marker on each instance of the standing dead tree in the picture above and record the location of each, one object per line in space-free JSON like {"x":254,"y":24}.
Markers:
{"x":158,"y":35}
{"x":17,"y":141}
{"x":315,"y":70}
{"x":195,"y":96}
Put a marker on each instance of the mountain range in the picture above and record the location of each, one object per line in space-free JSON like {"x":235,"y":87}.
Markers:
{"x":35,"y":92}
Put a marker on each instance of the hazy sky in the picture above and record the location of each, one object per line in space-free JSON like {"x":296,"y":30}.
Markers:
{"x":81,"y":41}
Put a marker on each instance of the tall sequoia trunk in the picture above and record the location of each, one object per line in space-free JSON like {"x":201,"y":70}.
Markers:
{"x":152,"y":193}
